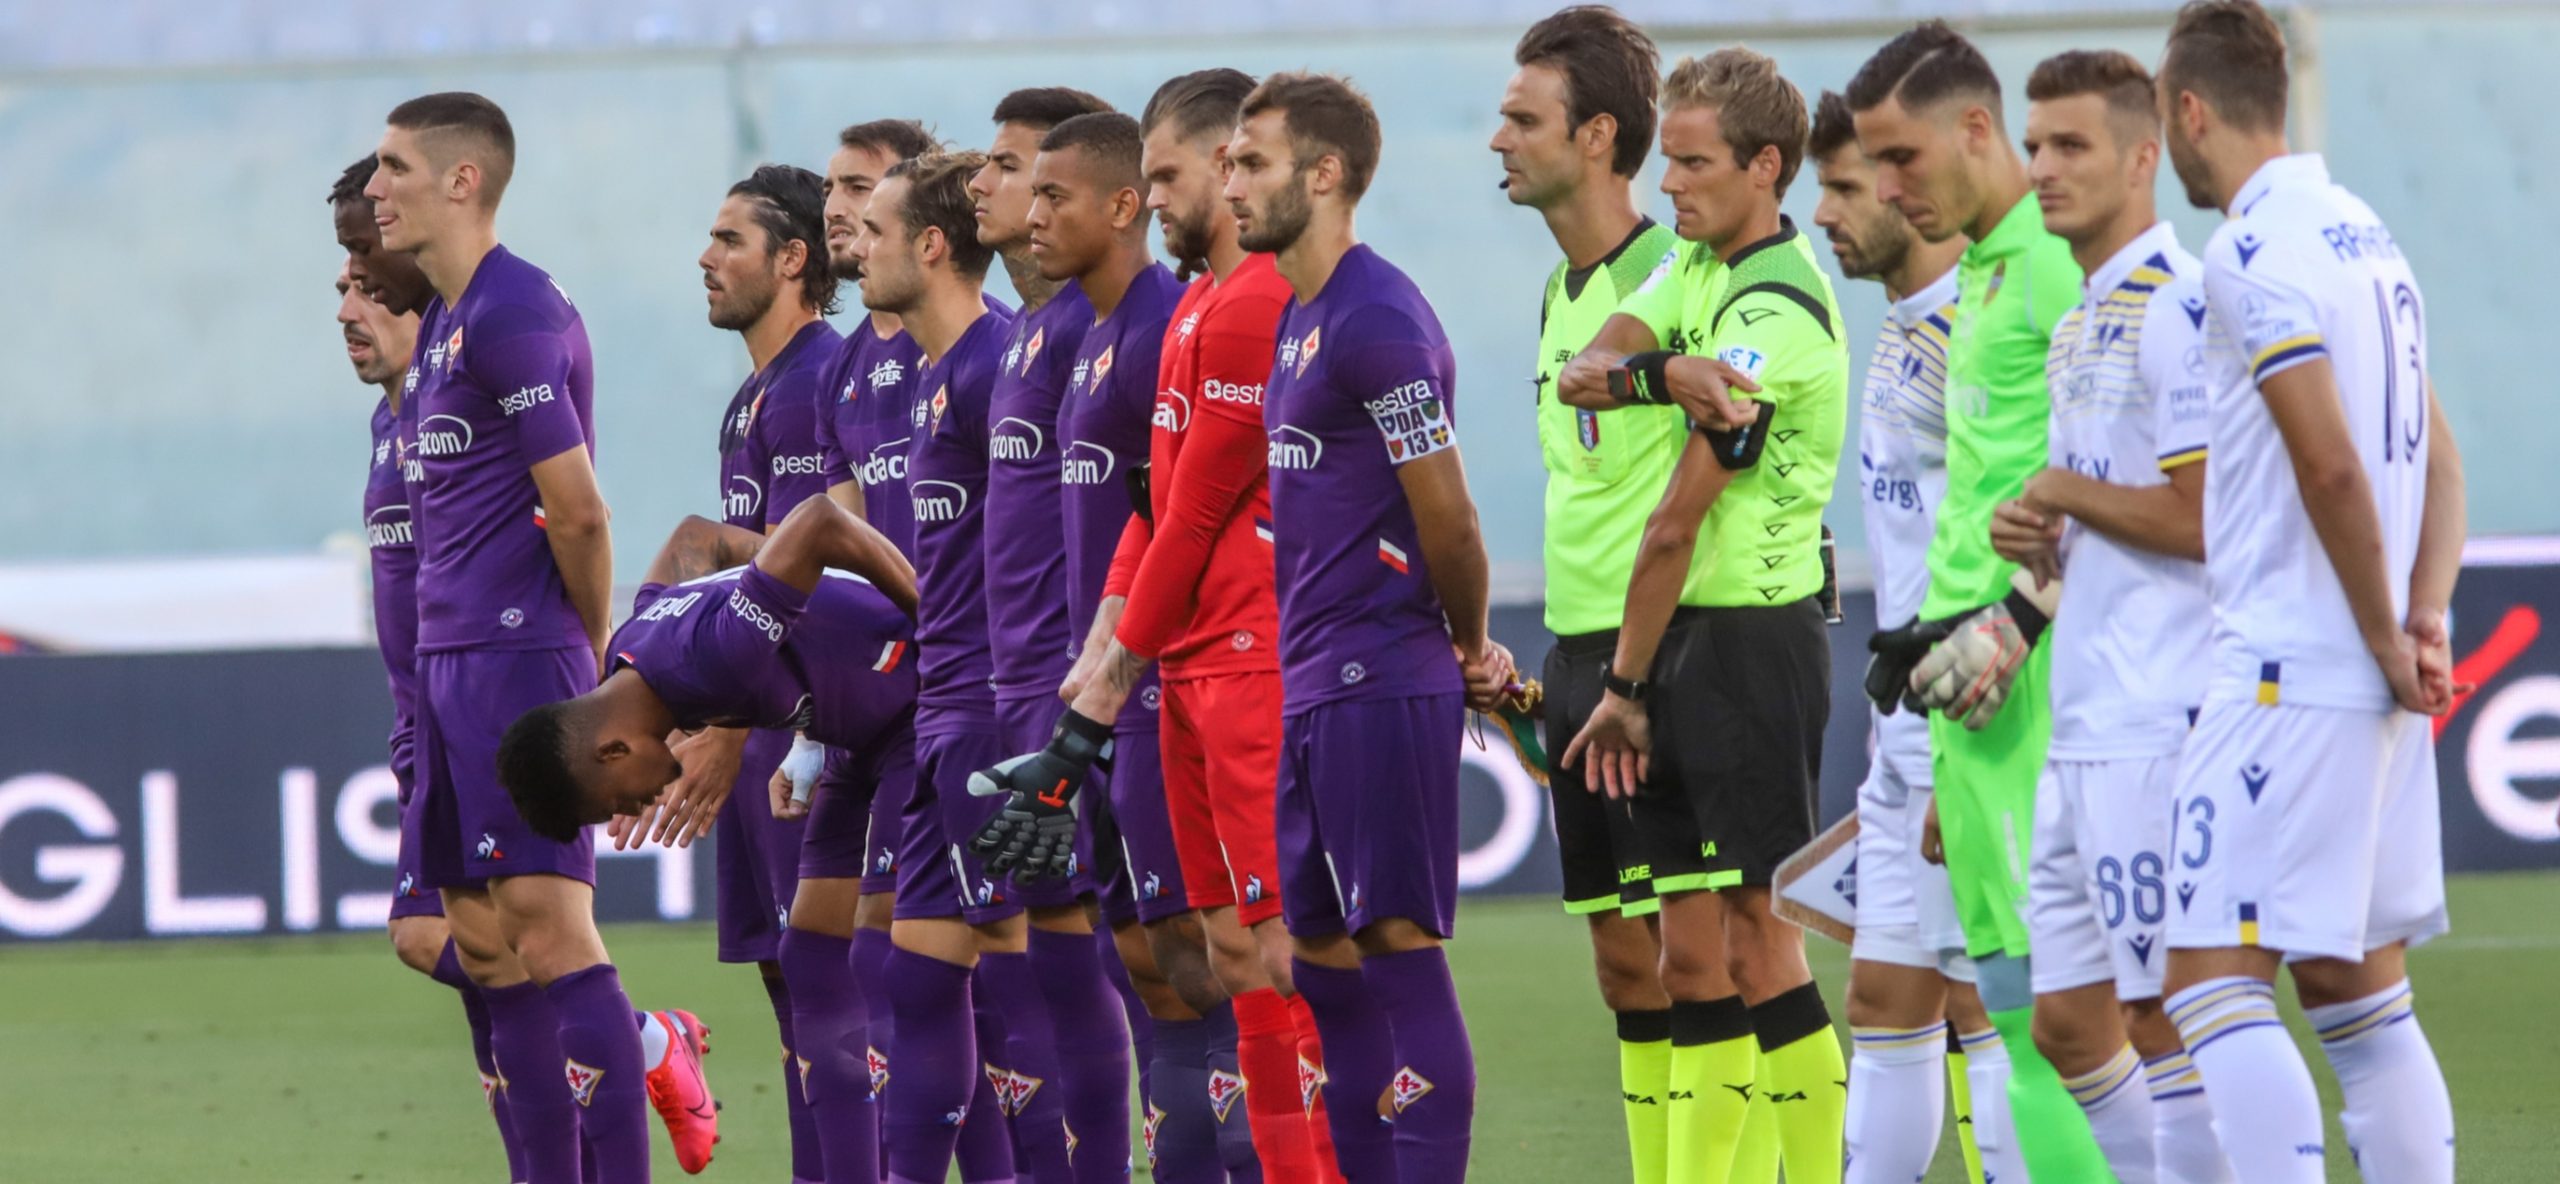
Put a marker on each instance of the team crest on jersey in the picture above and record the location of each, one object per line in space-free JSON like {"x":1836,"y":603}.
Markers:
{"x":1224,"y":1089}
{"x":1311,"y":1081}
{"x":452,"y":356}
{"x":1406,"y":1088}
{"x":1307,"y":349}
{"x":1102,"y":366}
{"x":582,"y":1082}
{"x":1188,"y":324}
{"x":877,"y":1063}
{"x":1992,"y":288}
{"x":1031,"y":349}
{"x":941,"y":402}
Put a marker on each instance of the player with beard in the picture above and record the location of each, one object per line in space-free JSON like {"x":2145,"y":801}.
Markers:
{"x":1577,"y":122}
{"x":1033,"y":640}
{"x":922,"y":262}
{"x":1911,"y":998}
{"x":1088,"y":227}
{"x":514,"y":570}
{"x":765,"y":279}
{"x":1381,"y":574}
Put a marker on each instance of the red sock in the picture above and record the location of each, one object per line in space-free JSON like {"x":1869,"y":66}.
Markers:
{"x":1267,"y":1052}
{"x":1311,"y":1068}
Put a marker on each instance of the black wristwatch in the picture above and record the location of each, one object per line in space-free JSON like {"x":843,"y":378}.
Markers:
{"x":1631,"y":690}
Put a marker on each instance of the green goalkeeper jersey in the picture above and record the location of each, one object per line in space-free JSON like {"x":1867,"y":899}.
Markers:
{"x":2013,"y":286}
{"x":1769,"y":313}
{"x":1605,"y":469}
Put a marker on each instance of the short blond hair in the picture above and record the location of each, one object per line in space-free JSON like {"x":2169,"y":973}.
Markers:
{"x":1757,"y":107}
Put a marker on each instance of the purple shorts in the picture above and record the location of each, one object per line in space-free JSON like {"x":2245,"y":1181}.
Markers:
{"x":469,"y":831}
{"x":1024,"y":726}
{"x":837,"y":843}
{"x":881,"y":840}
{"x":1148,"y":887}
{"x":1368,"y":814}
{"x":410,"y":896}
{"x":755,"y":857}
{"x":938,"y":876}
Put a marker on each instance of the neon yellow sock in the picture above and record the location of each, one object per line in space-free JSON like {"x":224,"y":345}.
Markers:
{"x":1644,"y":1080}
{"x":1755,"y":1158}
{"x":1712,"y":1075}
{"x":1960,"y":1104}
{"x":1807,"y":1081}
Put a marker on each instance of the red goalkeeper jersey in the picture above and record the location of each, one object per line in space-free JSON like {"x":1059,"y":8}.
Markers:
{"x":1199,"y":579}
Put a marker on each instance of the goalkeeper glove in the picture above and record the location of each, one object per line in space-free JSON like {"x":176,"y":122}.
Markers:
{"x":1892,"y":653}
{"x":802,"y":765}
{"x":1034,"y":835}
{"x":1967,"y":676}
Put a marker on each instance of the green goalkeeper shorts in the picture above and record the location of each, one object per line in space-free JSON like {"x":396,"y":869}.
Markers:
{"x":1986,"y":797}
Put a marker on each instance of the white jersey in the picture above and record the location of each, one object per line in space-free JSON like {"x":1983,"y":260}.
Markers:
{"x":2130,"y":402}
{"x":2304,"y":270}
{"x":1902,"y":458}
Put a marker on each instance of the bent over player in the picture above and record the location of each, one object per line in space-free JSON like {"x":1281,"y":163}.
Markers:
{"x":1381,"y":572}
{"x":2307,"y":832}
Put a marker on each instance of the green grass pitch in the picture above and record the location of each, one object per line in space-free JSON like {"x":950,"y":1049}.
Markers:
{"x":322,"y":1059}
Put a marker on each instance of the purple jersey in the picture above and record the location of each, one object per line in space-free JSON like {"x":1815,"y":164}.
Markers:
{"x":1361,"y":384}
{"x":505,"y":383}
{"x":1026,"y":568}
{"x":740,"y":648}
{"x":947,"y":485}
{"x":868,"y":426}
{"x":769,"y":457}
{"x":1105,"y":428}
{"x":394,"y":553}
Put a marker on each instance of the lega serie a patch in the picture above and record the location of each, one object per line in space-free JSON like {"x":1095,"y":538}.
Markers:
{"x":582,"y":1082}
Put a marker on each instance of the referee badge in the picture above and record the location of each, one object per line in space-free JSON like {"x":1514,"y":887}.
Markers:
{"x":1586,"y":427}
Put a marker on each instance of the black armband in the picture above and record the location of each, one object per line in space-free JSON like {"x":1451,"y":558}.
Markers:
{"x":1643,"y":378}
{"x":1140,"y":480}
{"x":2031,"y":620}
{"x":1739,"y":448}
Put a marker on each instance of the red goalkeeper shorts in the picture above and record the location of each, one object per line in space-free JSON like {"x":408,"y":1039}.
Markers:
{"x":1221,"y":770}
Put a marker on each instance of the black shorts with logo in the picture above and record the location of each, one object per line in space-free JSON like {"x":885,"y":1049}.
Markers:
{"x":1739,"y":702}
{"x":1604,"y":859}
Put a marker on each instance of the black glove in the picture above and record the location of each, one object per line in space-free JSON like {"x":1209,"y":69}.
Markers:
{"x":1034,"y":836}
{"x":1893,"y":654}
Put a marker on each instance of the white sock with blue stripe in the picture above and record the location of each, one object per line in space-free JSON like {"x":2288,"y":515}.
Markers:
{"x":2119,"y":1110}
{"x":1897,"y":1103}
{"x":2398,"y":1118}
{"x":2182,"y":1123}
{"x":2264,"y":1104}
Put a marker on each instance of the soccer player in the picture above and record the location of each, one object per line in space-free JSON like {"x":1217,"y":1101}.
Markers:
{"x":1033,"y":639}
{"x":1087,"y":227}
{"x":1577,"y":123}
{"x":1928,"y":113}
{"x":864,"y":429}
{"x":764,"y":278}
{"x":1911,"y":998}
{"x":2119,"y":516}
{"x":2333,"y":530}
{"x":1747,"y":676}
{"x":922,"y":263}
{"x":514,"y":569}
{"x":730,"y":628}
{"x":1380,"y":568}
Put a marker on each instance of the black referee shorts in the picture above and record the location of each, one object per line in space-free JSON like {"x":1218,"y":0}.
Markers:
{"x":1740,"y":698}
{"x":1604,"y":860}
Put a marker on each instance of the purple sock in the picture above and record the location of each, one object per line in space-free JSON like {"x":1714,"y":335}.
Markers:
{"x":1434,"y":1085}
{"x":524,"y":1039}
{"x":829,"y":1018}
{"x":986,"y":1146}
{"x":806,"y":1161}
{"x":1038,"y":1104}
{"x":1359,"y":1056}
{"x":1092,"y":1028}
{"x":601,"y":1046}
{"x":1141,"y":1026}
{"x":871,"y":976}
{"x":1182,"y":1131}
{"x":475,"y":1011}
{"x":926,"y":1105}
{"x":1226,"y":1099}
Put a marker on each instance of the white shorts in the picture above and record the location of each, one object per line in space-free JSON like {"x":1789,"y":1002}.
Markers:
{"x":2098,"y":890}
{"x":1906,"y":911}
{"x":2309,"y":830}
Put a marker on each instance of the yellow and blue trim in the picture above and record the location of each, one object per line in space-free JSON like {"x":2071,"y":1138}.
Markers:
{"x":2278,"y":355}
